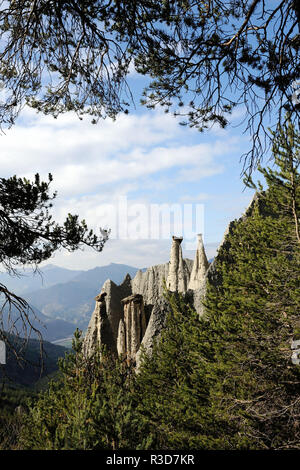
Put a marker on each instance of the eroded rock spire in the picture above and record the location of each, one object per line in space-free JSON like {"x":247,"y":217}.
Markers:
{"x":177,"y":279}
{"x":133,"y":327}
{"x":200,"y":266}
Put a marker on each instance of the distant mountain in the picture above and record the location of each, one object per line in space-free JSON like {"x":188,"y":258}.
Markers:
{"x":56,"y":329}
{"x":27,"y":372}
{"x":30,"y":281}
{"x":73,"y":301}
{"x":114,"y":271}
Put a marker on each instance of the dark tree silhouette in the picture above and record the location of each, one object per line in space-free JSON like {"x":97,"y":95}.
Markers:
{"x":204,"y":58}
{"x":28,"y":236}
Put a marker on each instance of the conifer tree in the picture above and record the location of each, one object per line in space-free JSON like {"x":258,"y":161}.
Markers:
{"x":174,"y":384}
{"x":28,"y":236}
{"x":203,"y":59}
{"x":226,"y":380}
{"x":91,"y":406}
{"x":255,"y":307}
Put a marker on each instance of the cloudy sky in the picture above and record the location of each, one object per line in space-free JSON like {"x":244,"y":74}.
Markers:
{"x":121,"y":174}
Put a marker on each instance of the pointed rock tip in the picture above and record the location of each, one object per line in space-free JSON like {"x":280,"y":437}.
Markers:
{"x":107,"y":285}
{"x":126,"y":278}
{"x":200,"y":239}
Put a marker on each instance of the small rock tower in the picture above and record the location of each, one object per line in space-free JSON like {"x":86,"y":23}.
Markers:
{"x":200,"y":266}
{"x":132,"y":327}
{"x":177,"y":277}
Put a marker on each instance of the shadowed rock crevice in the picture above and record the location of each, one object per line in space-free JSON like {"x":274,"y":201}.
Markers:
{"x":132,"y":326}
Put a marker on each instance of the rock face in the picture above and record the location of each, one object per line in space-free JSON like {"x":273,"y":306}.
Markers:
{"x":178,"y":276}
{"x":99,"y":330}
{"x":132,"y":327}
{"x":132,"y":314}
{"x":156,"y":324}
{"x":104,"y":324}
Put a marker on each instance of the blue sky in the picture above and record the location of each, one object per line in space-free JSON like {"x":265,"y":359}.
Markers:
{"x":145,"y":157}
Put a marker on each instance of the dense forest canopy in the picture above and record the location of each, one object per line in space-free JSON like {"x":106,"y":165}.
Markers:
{"x":204,"y":59}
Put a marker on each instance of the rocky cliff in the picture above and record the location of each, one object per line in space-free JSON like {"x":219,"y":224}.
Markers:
{"x":133,"y":313}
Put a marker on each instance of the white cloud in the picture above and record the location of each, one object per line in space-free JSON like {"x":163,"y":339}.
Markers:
{"x":93,"y":165}
{"x":83,"y":157}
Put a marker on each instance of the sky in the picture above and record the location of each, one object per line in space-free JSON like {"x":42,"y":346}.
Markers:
{"x":122,"y":174}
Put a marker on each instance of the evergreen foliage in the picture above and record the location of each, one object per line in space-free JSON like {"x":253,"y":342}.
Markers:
{"x":90,"y":407}
{"x":173,"y":384}
{"x":226,"y":380}
{"x":13,"y":402}
{"x":28,"y":236}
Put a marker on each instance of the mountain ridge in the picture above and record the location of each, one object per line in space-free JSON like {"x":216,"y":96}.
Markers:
{"x":73,"y":301}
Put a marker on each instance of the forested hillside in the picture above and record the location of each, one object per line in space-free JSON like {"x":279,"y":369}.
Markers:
{"x":221,"y":381}
{"x":29,"y":367}
{"x":120,"y":122}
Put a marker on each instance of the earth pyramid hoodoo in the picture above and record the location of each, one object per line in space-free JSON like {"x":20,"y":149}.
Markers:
{"x":200,"y":266}
{"x":133,"y":313}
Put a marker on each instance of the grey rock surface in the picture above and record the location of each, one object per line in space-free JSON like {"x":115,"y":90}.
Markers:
{"x":114,"y":306}
{"x":200,"y":266}
{"x":178,"y":275}
{"x":155,"y":326}
{"x":121,"y":341}
{"x":150,"y":284}
{"x":134,"y":325}
{"x":135,"y":311}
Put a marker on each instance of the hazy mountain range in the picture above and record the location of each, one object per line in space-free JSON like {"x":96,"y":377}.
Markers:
{"x":28,"y":281}
{"x":63,"y":299}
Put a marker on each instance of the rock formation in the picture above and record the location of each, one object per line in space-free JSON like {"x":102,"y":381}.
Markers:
{"x":200,"y":266}
{"x":121,"y":340}
{"x":132,"y":314}
{"x":178,"y":276}
{"x":99,"y":327}
{"x":104,"y":324}
{"x":132,"y":326}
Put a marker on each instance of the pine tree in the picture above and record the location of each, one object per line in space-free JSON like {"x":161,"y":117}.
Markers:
{"x":91,"y":406}
{"x":28,"y":236}
{"x":226,"y":380}
{"x":203,"y":58}
{"x":255,"y":307}
{"x":174,"y":384}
